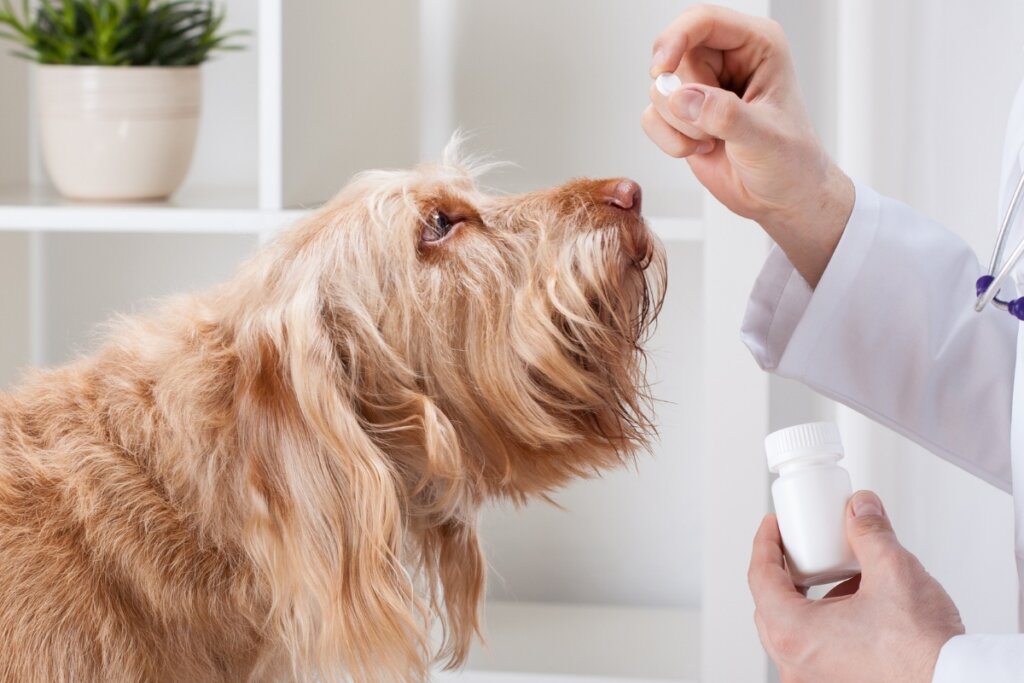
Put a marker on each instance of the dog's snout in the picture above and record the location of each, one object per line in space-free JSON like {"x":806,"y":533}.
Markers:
{"x":622,"y":193}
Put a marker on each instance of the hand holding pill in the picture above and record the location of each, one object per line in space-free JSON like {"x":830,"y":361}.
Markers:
{"x":724,"y":96}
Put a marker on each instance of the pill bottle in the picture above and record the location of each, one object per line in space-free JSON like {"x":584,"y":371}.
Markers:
{"x":810,"y":497}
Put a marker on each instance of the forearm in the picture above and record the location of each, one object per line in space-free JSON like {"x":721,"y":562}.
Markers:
{"x":891,"y":331}
{"x":809,"y":236}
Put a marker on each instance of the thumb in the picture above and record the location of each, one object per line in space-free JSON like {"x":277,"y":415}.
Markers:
{"x":869,"y":531}
{"x":719,"y":113}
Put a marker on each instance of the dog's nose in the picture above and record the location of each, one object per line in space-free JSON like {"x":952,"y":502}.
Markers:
{"x":623,"y":193}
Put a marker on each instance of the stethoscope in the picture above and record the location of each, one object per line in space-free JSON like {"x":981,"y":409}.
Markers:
{"x":987,"y":286}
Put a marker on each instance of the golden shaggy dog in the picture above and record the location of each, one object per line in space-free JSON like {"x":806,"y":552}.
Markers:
{"x":279,"y":479}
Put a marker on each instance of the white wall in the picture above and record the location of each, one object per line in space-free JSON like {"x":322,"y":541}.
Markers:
{"x":226,"y":150}
{"x":355,"y":112}
{"x":13,"y":120}
{"x":14,"y":148}
{"x":14,"y":352}
{"x":89,"y":278}
{"x":558,"y":87}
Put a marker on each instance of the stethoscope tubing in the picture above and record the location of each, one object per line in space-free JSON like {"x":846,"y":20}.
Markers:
{"x":988,"y":295}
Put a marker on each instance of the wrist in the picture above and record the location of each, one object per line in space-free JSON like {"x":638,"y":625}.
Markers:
{"x":932,"y":654}
{"x":810,"y":232}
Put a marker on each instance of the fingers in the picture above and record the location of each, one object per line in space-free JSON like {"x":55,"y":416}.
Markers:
{"x":678,"y":121}
{"x":870,"y":534}
{"x":721,"y":114}
{"x":714,"y":27}
{"x":703,"y":112}
{"x":696,"y":47}
{"x":670,"y":140}
{"x":770,"y":583}
{"x":699,"y":66}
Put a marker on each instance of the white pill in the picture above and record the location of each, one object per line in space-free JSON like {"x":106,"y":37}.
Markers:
{"x":667,"y":83}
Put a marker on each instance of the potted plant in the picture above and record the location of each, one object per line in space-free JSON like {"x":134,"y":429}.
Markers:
{"x":118,"y":89}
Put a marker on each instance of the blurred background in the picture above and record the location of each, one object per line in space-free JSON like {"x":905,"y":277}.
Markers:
{"x":641,"y":574}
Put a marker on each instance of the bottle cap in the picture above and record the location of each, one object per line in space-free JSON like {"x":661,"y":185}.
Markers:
{"x":800,"y":441}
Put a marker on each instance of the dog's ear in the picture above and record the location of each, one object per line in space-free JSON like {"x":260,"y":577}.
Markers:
{"x":458,"y":564}
{"x":450,"y":548}
{"x":326,"y":523}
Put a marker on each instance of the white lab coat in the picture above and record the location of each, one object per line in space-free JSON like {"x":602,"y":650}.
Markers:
{"x":891,"y":331}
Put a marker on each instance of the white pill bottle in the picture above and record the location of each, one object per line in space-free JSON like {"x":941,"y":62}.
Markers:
{"x":810,"y":497}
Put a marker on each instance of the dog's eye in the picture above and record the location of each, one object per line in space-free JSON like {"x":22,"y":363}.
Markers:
{"x":438,"y":227}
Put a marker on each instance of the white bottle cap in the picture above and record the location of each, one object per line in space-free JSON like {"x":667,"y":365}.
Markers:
{"x":800,"y":441}
{"x":667,"y":83}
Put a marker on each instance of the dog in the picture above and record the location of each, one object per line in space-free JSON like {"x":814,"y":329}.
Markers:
{"x":280,"y":478}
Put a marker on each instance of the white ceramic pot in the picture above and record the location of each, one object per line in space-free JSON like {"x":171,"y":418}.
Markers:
{"x":118,"y":133}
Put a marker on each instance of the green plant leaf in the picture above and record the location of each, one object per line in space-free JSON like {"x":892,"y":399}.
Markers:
{"x":118,"y":32}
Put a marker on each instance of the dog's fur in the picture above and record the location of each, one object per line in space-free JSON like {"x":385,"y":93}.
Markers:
{"x":279,"y":479}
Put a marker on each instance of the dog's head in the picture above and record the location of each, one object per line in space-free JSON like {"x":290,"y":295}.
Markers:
{"x":445,"y":345}
{"x":513,"y":322}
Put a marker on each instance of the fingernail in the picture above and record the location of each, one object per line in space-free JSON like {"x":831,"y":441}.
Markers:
{"x":705,"y":147}
{"x":865,"y":503}
{"x":687,"y":104}
{"x":657,"y":59}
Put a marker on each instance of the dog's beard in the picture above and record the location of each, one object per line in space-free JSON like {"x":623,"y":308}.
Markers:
{"x":605,"y":304}
{"x":546,"y":379}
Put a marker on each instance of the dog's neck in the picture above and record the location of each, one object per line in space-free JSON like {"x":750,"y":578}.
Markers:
{"x":225,"y":413}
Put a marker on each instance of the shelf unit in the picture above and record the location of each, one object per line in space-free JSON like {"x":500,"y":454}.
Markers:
{"x":327,"y":89}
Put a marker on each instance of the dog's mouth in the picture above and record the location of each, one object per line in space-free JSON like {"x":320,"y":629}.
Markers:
{"x":636,"y":238}
{"x":642,"y":245}
{"x":621,"y":304}
{"x":608,"y":354}
{"x":618,"y":318}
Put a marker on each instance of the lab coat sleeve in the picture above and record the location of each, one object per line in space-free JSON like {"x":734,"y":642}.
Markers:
{"x":891,"y":331}
{"x":976,"y":658}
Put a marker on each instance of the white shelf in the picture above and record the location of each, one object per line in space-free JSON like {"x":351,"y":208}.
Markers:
{"x":198,"y":210}
{"x":561,"y":643}
{"x":194,"y":211}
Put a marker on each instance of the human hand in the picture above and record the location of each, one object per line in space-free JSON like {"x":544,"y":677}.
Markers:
{"x":741,"y":123}
{"x":888,"y":624}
